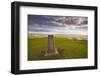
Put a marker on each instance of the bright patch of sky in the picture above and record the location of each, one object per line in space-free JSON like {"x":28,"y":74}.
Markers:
{"x":42,"y":24}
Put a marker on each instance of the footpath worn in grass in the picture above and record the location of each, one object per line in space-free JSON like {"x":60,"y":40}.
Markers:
{"x":73,"y":49}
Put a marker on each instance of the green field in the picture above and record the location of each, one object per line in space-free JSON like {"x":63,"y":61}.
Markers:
{"x":73,"y":49}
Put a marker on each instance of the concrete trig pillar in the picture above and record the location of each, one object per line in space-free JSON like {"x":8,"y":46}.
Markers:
{"x":51,"y":46}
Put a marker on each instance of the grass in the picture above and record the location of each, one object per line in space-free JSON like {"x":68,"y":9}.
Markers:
{"x":73,"y":49}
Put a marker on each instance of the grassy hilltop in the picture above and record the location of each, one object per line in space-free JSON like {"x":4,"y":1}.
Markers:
{"x":73,"y":48}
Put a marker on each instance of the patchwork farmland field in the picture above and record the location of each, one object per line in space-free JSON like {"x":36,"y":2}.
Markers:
{"x":72,"y":48}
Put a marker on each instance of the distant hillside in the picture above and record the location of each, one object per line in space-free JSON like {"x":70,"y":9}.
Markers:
{"x":70,"y":36}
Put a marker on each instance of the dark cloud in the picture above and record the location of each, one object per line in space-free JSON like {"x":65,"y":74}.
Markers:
{"x":44,"y":20}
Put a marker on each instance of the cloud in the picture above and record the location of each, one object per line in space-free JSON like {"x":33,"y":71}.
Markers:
{"x":57,"y":24}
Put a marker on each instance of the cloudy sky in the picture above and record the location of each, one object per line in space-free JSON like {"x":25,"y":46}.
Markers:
{"x":43,"y":24}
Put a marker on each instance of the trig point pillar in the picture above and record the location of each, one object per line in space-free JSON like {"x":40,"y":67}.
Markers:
{"x":50,"y":43}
